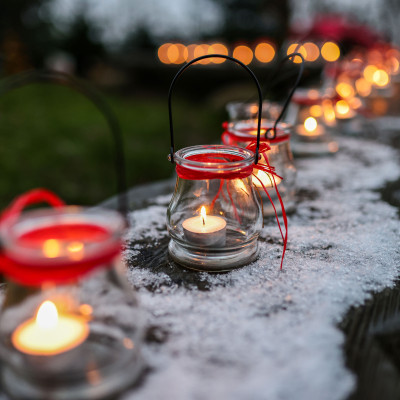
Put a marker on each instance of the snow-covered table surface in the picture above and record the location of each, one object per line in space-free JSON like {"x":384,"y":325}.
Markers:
{"x":258,"y":332}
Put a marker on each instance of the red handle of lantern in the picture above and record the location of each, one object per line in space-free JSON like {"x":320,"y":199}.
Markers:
{"x":179,"y":73}
{"x":34,"y":196}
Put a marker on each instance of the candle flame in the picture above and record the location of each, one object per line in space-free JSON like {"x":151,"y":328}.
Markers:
{"x":329,"y":112}
{"x":203,"y":214}
{"x":369,"y":72}
{"x":75,"y":250}
{"x":345,"y":90}
{"x":51,"y":248}
{"x":380,"y":78}
{"x":363,"y":87}
{"x":47,"y":315}
{"x":310,"y":124}
{"x":342,"y":107}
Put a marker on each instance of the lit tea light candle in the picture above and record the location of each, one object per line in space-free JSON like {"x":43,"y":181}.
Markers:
{"x":49,"y":333}
{"x":266,"y":179}
{"x":205,"y":230}
{"x":254,"y":132}
{"x":343,"y":110}
{"x":380,"y":78}
{"x":310,"y":128}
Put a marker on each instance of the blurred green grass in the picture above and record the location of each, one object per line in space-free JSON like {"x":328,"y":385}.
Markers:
{"x":53,"y":137}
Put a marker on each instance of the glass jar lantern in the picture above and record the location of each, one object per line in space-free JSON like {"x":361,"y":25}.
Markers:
{"x":239,"y":111}
{"x":242,"y":133}
{"x":275,"y":135}
{"x":69,"y":329}
{"x":312,"y":115}
{"x":214,"y":217}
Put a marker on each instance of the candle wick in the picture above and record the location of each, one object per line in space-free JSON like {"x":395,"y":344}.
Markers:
{"x":204,"y":222}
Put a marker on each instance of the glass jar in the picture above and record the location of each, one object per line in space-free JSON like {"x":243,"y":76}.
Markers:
{"x":69,"y":329}
{"x":214,"y":217}
{"x":239,"y":111}
{"x":312,"y":114}
{"x":242,"y":133}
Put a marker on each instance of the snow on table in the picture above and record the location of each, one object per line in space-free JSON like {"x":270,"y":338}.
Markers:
{"x":258,"y":332}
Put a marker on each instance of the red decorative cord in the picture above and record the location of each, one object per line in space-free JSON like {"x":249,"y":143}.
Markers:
{"x":267,"y":168}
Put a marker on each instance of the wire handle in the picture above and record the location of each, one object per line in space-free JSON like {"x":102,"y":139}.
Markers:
{"x":179,"y":73}
{"x":290,"y":95}
{"x":63,"y":79}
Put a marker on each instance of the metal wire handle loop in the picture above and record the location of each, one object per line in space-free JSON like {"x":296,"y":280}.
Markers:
{"x":63,"y":79}
{"x":179,"y":73}
{"x":287,"y":101}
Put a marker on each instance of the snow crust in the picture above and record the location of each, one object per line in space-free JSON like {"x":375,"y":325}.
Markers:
{"x":261,"y":333}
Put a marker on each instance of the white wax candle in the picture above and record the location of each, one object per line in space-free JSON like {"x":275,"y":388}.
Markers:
{"x":49,"y":333}
{"x":205,"y":230}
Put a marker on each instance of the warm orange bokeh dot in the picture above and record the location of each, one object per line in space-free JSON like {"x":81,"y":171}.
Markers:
{"x":363,"y":87}
{"x":264,"y":52}
{"x":393,"y":65}
{"x":218,"y":48}
{"x":380,"y":78}
{"x":368,"y":73}
{"x":316,"y":110}
{"x":345,"y":90}
{"x":374,"y":56}
{"x":177,"y":53}
{"x":296,"y":48}
{"x":202,"y":50}
{"x":379,"y":106}
{"x":243,"y":54}
{"x":330,"y":51}
{"x":173,"y":53}
{"x":313,"y":94}
{"x":355,"y":103}
{"x":393,"y":61}
{"x":86,"y":309}
{"x":163,"y":53}
{"x":342,"y":107}
{"x":191,"y":49}
{"x":183,"y":54}
{"x":312,"y":51}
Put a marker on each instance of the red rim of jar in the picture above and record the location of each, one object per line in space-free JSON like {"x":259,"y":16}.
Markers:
{"x":23,"y":259}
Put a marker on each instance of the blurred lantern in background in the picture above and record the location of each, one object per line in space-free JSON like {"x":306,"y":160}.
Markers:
{"x":242,"y":133}
{"x":313,"y":116}
{"x":63,"y":325}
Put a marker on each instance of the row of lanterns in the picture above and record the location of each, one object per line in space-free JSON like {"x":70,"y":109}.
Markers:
{"x":63,"y":329}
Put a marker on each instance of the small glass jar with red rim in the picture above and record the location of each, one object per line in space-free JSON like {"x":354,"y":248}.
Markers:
{"x":214,"y":217}
{"x":241,"y":133}
{"x":312,"y":114}
{"x":239,"y":111}
{"x":69,"y":328}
